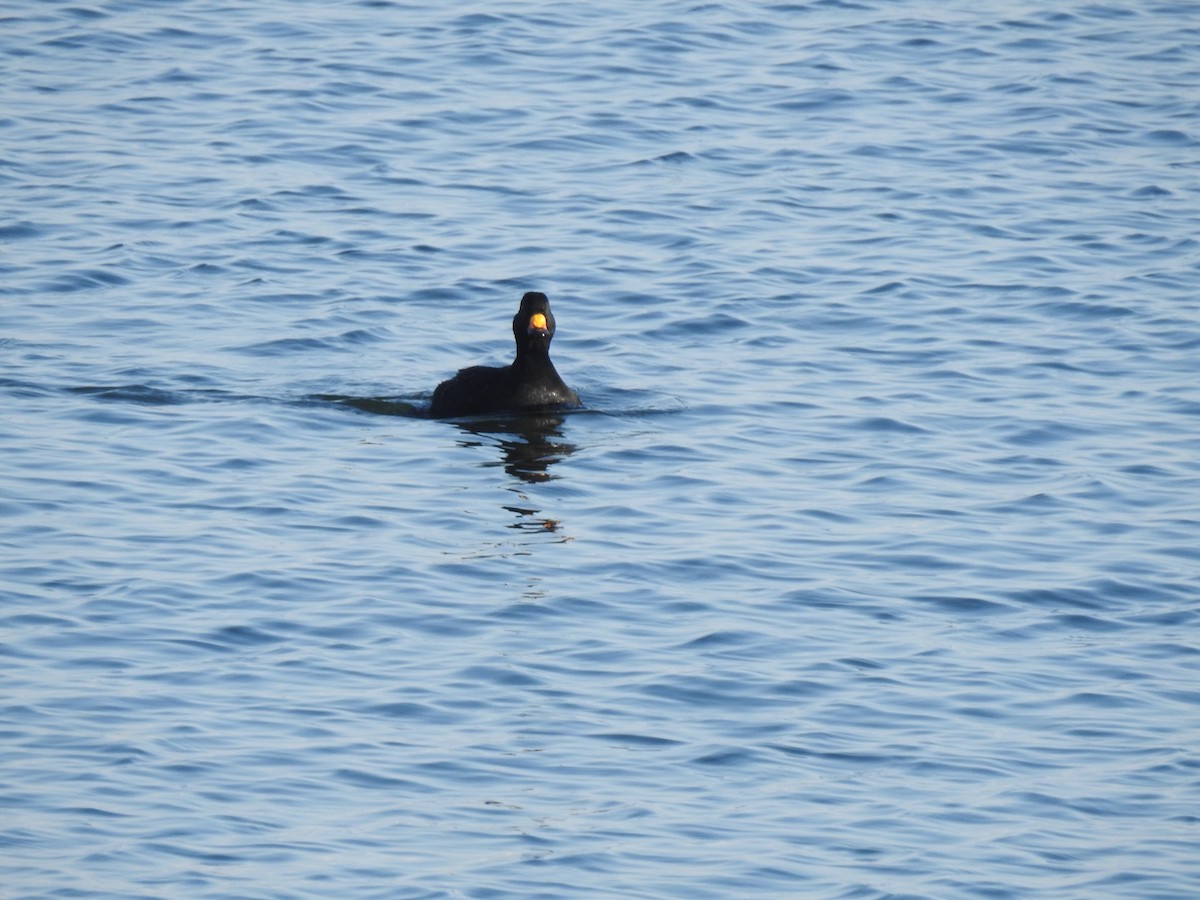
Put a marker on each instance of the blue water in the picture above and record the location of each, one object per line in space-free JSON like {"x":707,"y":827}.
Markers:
{"x":871,"y":569}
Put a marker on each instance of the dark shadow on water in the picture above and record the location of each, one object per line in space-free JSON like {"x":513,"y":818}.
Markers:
{"x":380,"y":406}
{"x":530,"y":443}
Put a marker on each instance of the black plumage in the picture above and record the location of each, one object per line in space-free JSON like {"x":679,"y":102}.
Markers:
{"x":529,"y":384}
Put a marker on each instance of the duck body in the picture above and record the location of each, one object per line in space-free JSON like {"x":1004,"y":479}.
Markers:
{"x":480,"y":390}
{"x":529,"y":384}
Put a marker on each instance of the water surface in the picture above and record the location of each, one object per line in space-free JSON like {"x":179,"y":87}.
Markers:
{"x":869,"y":571}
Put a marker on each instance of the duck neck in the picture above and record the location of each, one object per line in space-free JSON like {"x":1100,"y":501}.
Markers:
{"x":534,"y":361}
{"x":531,"y":360}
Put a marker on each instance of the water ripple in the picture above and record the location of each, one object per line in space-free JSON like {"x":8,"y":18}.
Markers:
{"x":876,"y":540}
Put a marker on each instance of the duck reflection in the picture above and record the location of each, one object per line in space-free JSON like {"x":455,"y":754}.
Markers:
{"x":530,"y":444}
